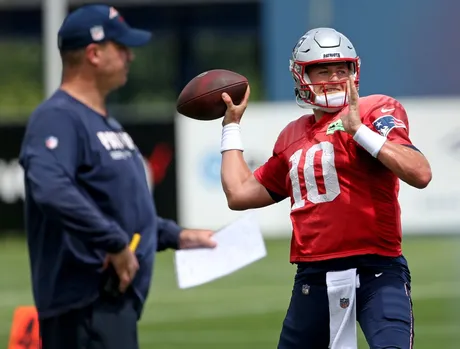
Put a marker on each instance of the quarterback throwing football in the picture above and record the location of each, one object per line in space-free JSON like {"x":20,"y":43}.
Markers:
{"x":340,"y":167}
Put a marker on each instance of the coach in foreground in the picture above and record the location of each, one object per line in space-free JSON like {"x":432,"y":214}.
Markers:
{"x":87,"y":195}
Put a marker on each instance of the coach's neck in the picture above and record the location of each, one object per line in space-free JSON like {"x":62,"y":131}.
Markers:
{"x":85,"y":88}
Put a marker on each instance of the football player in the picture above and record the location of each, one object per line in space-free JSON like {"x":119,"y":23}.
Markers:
{"x":340,"y":166}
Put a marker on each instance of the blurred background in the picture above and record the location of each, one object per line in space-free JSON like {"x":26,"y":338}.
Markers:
{"x":409,"y":50}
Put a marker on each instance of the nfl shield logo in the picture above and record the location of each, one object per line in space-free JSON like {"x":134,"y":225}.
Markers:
{"x":51,"y":142}
{"x":344,"y":303}
{"x":305,"y":289}
{"x":97,"y":33}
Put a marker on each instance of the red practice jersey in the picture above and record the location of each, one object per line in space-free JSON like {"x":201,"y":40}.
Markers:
{"x":344,"y":202}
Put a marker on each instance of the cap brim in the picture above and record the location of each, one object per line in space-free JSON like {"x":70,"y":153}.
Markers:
{"x":134,"y":38}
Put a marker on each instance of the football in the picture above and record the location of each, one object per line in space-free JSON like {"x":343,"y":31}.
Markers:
{"x":201,"y":98}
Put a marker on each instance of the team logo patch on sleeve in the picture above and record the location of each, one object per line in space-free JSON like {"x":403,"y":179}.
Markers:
{"x":386,"y":123}
{"x":51,"y":142}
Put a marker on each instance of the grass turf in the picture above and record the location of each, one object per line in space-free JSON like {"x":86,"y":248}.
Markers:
{"x":245,"y":310}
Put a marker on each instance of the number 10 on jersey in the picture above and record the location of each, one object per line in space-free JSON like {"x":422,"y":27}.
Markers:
{"x":307,"y":189}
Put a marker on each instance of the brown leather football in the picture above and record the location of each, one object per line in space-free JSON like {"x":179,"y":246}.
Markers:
{"x":201,"y":98}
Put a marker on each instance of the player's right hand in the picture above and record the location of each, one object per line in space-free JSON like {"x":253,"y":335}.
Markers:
{"x":126,"y":266}
{"x":234,"y":112}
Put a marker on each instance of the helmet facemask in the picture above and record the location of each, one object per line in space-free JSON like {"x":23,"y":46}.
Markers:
{"x":306,"y":97}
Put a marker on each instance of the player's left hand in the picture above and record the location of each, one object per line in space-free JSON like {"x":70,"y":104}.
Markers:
{"x":352,"y":121}
{"x":196,"y":238}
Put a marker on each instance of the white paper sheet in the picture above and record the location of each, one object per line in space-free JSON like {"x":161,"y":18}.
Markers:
{"x":238,"y":245}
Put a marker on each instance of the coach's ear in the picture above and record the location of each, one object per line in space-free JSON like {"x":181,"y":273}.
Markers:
{"x":94,"y":53}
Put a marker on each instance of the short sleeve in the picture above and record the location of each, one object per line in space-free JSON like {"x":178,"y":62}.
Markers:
{"x":272,"y":175}
{"x":390,"y":120}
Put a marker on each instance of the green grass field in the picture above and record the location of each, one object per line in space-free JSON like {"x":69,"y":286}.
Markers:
{"x":245,"y":310}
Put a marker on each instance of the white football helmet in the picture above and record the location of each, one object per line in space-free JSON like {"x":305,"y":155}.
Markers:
{"x":321,"y":45}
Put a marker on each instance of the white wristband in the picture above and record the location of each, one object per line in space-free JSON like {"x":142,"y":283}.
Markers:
{"x":231,"y":138}
{"x":369,"y":140}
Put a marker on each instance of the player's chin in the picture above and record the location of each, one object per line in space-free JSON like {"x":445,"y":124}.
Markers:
{"x":328,"y":93}
{"x":334,"y":91}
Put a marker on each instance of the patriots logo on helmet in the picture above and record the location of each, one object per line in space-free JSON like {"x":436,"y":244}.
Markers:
{"x":386,"y":123}
{"x":299,"y":43}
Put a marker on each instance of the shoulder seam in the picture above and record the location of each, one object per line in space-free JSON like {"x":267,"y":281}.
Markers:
{"x":370,"y":111}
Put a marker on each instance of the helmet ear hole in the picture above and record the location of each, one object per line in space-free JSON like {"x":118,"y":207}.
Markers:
{"x":351,"y":67}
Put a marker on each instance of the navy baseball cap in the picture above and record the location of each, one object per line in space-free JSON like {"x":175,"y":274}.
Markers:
{"x":96,"y":24}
